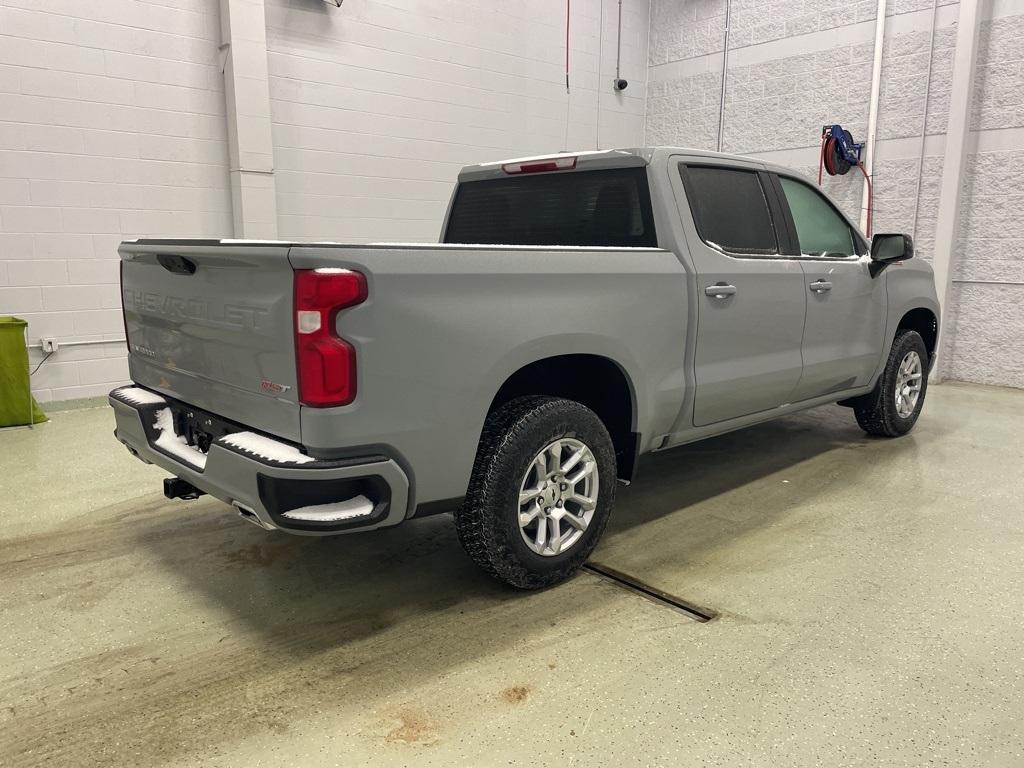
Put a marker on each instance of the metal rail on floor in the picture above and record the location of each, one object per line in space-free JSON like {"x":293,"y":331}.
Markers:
{"x":646,"y":591}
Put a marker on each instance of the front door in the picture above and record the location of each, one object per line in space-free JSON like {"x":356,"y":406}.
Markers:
{"x":846,"y":306}
{"x":750,"y":301}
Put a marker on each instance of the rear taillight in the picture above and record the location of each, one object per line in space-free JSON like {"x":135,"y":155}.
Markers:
{"x":326,"y":363}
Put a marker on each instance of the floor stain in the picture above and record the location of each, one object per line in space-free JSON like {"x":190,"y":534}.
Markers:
{"x":415,"y":726}
{"x":516,"y":694}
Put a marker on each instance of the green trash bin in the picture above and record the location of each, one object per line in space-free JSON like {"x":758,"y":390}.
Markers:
{"x":17,"y":406}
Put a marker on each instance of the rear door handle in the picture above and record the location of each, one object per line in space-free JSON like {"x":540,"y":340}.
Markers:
{"x":720,"y":290}
{"x":821,"y":286}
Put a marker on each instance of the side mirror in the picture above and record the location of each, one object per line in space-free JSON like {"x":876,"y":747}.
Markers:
{"x":889,"y":248}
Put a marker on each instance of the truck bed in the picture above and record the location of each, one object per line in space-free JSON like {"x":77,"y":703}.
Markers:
{"x":442,"y":327}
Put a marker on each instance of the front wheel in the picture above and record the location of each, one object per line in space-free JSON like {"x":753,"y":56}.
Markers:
{"x":892,"y":408}
{"x":542,"y":488}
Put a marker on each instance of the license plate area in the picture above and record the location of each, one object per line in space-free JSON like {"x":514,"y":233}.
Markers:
{"x":200,"y":428}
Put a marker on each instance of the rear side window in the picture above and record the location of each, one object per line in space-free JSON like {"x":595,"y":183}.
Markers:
{"x":730,"y":209}
{"x":820,"y":229}
{"x":608,"y":207}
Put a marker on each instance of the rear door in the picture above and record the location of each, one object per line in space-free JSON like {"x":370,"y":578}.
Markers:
{"x":750,"y":301}
{"x":846,"y":306}
{"x":210,"y":324}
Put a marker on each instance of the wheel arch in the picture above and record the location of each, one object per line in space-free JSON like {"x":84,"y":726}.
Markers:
{"x":926,"y":323}
{"x":596,"y":381}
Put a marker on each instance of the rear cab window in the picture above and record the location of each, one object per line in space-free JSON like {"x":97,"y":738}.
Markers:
{"x":730,"y":209}
{"x":607,"y":207}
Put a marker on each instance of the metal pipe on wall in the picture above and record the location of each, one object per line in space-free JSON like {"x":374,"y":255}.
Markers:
{"x":568,"y":93}
{"x":876,"y":87}
{"x":600,"y":63}
{"x":647,"y":76}
{"x":87,"y":343}
{"x":725,"y":69}
{"x":924,"y":118}
{"x":618,"y":44}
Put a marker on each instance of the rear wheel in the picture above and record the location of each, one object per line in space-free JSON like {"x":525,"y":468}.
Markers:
{"x":542,"y":489}
{"x":892,"y":408}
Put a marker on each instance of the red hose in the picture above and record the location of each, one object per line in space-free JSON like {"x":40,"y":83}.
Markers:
{"x":821,"y":157}
{"x":829,"y":153}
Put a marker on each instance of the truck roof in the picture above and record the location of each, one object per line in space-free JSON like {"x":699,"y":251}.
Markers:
{"x":606,"y":158}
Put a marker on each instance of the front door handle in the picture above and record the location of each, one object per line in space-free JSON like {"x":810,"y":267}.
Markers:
{"x":720,"y":290}
{"x":821,"y":286}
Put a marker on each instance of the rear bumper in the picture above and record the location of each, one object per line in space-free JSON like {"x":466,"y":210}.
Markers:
{"x":268,"y":481}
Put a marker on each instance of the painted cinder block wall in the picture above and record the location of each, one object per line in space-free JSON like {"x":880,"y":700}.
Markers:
{"x":112,"y":126}
{"x":795,"y":66}
{"x":376,"y":109}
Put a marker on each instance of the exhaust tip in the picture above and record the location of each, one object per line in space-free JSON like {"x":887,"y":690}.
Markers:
{"x":248,"y":514}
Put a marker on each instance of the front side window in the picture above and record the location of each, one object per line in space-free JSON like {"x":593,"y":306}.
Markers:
{"x":819,"y":227}
{"x":729,"y":209}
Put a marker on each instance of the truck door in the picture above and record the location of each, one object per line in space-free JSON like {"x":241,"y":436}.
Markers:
{"x":750,"y":300}
{"x":846,"y":306}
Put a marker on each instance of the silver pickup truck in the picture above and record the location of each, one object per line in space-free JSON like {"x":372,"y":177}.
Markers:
{"x":633,"y":300}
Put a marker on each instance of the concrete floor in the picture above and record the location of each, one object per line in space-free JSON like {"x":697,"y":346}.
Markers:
{"x":870,"y":597}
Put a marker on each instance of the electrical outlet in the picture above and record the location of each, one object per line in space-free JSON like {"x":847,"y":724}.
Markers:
{"x":49,"y":344}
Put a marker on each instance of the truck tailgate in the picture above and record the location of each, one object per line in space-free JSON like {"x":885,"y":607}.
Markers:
{"x":211,"y":324}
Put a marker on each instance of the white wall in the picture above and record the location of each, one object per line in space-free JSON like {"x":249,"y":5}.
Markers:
{"x":112,"y":126}
{"x":376,"y":107}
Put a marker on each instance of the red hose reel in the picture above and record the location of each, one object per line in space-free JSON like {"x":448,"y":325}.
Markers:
{"x":839,"y":153}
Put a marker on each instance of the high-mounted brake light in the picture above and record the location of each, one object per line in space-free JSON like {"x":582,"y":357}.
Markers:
{"x":325,"y":362}
{"x":541,"y":166}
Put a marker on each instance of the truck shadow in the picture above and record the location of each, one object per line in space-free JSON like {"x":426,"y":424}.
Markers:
{"x":681,"y":479}
{"x":310,"y":594}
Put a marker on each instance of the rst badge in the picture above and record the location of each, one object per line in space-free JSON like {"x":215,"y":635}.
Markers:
{"x":273,"y":387}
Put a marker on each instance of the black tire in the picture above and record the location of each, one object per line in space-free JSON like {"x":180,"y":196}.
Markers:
{"x":876,"y":412}
{"x":488,"y":521}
